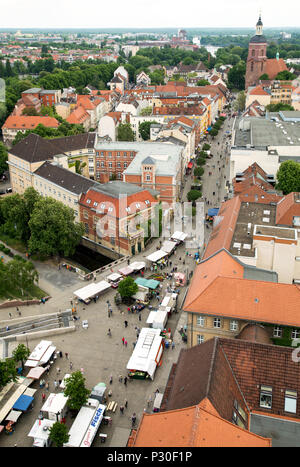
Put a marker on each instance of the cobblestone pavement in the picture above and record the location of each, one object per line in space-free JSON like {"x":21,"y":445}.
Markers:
{"x":93,"y":351}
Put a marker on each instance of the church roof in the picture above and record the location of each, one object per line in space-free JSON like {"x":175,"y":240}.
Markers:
{"x":258,"y":39}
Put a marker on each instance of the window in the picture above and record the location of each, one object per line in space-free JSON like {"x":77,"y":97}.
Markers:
{"x":118,"y":154}
{"x":234,"y":325}
{"x":125,"y":154}
{"x":132,"y":155}
{"x":102,"y":164}
{"x":88,"y":201}
{"x":217,"y":322}
{"x":200,"y":339}
{"x":119,"y":164}
{"x":253,"y":52}
{"x":251,"y":66}
{"x":109,"y":154}
{"x":102,"y":154}
{"x":277,"y":332}
{"x":200,"y":320}
{"x":85,"y":214}
{"x":265,"y":397}
{"x":148,"y":178}
{"x":295,"y":333}
{"x":110,"y":165}
{"x":290,"y":401}
{"x":125,"y":165}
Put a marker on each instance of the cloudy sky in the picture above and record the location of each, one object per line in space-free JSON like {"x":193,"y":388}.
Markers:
{"x":146,"y":13}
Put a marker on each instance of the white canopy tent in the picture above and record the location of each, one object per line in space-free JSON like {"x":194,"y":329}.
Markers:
{"x":40,"y":431}
{"x":41,"y":354}
{"x":179,"y":236}
{"x":114,"y":277}
{"x":156,"y":256}
{"x":91,"y":290}
{"x":157,"y":319}
{"x":137,"y":265}
{"x":55,"y":406}
{"x":147,"y":352}
{"x":13,"y":415}
{"x":168,"y":246}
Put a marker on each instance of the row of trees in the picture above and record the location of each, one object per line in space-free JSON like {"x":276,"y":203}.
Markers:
{"x":47,"y":227}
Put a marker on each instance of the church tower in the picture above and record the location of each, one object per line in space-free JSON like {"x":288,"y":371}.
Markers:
{"x":257,"y":56}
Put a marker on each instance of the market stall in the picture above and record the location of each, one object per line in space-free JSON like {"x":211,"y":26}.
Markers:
{"x":24,"y":403}
{"x":114,"y":279}
{"x":55,"y":407}
{"x":98,"y":392}
{"x":41,"y":354}
{"x":156,"y":256}
{"x":149,"y":283}
{"x":63,"y":383}
{"x":36,"y":373}
{"x":40,"y":433}
{"x":11,"y":420}
{"x":168,"y":246}
{"x":169,"y":302}
{"x":146,"y":355}
{"x":138,"y":266}
{"x":126,"y":271}
{"x":178,"y":237}
{"x":142,"y":295}
{"x":158,"y":319}
{"x":85,"y":294}
{"x":180,"y":279}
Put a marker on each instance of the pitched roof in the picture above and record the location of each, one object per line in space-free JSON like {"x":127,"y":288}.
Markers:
{"x":287,"y":208}
{"x":259,"y":91}
{"x":260,"y":301}
{"x":64,"y":178}
{"x":78,"y":116}
{"x":200,"y":426}
{"x":34,"y":148}
{"x":274,"y":66}
{"x":224,"y":226}
{"x":29,"y":122}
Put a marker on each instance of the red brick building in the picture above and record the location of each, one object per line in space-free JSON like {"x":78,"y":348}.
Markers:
{"x":114,"y":214}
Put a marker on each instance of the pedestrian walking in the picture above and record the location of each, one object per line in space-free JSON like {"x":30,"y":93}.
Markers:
{"x":120,"y":378}
{"x":125,"y":343}
{"x":110,"y":379}
{"x":125,"y":380}
{"x":140,"y":318}
{"x":57,"y":371}
{"x":47,"y":386}
{"x":10,"y":315}
{"x":126,"y":323}
{"x":126,"y":403}
{"x":121,"y":409}
{"x":43,"y":396}
{"x":67,"y":355}
{"x":133,"y":418}
{"x":173,"y":345}
{"x":123,"y":340}
{"x":60,"y":354}
{"x":55,"y":384}
{"x":149,"y":401}
{"x":71,"y":365}
{"x":109,"y":333}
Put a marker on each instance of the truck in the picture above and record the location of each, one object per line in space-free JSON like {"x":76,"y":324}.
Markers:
{"x":40,"y":433}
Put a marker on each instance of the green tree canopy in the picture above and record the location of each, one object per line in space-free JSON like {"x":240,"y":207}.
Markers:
{"x":288,"y":177}
{"x":21,"y":354}
{"x":76,"y":391}
{"x":285,"y":75}
{"x":193,"y":195}
{"x":53,"y":229}
{"x":125,"y":132}
{"x":236,"y":76}
{"x":3,"y":159}
{"x":203,"y":82}
{"x":58,"y":434}
{"x":127,"y":287}
{"x":144,"y":129}
{"x":8,"y":372}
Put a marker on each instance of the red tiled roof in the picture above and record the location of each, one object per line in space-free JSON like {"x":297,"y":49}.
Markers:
{"x":287,"y":208}
{"x":200,"y":426}
{"x":29,"y":123}
{"x":224,"y":226}
{"x":274,"y":66}
{"x":259,"y":91}
{"x":221,"y":275}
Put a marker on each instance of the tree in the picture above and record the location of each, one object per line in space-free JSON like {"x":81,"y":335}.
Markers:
{"x":285,"y":75}
{"x":193,"y":195}
{"x":76,"y":391}
{"x":203,"y":82}
{"x":8,"y":372}
{"x":146,"y":111}
{"x":264,"y":77}
{"x":58,"y":434}
{"x":127,"y":287}
{"x":198,"y":171}
{"x":213,"y":132}
{"x":22,"y":273}
{"x":3,"y":159}
{"x":236,"y":76}
{"x":206,"y":147}
{"x":79,"y":166}
{"x":279,"y":106}
{"x":30,"y":111}
{"x":20,"y":354}
{"x":125,"y":132}
{"x":240,"y":102}
{"x":288,"y":177}
{"x":53,"y":229}
{"x":144,"y":129}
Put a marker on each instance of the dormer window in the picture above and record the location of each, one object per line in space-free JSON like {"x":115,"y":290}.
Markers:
{"x":88,"y":201}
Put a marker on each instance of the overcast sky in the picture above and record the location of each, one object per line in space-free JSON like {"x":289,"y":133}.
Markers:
{"x":146,"y":13}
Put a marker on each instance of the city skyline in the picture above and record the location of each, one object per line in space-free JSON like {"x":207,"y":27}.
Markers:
{"x":141,"y":14}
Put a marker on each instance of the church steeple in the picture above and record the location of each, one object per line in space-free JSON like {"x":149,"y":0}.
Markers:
{"x":259,"y":26}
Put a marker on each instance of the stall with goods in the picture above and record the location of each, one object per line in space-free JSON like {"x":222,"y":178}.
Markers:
{"x":86,"y":294}
{"x":146,"y":355}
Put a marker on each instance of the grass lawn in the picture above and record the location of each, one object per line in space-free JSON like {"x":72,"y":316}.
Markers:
{"x":32,"y":293}
{"x":13,"y":243}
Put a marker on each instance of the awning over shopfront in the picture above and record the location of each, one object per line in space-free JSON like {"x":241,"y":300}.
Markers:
{"x":23,"y":403}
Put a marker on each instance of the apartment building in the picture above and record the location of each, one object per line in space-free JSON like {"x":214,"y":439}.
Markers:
{"x":16,"y":123}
